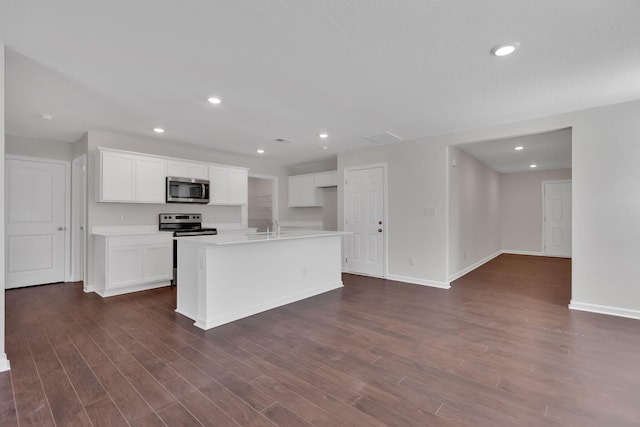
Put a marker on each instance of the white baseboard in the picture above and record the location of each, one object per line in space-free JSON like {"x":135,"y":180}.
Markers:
{"x":417,"y":281}
{"x":472,"y":267}
{"x":604,"y":309}
{"x":513,"y":252}
{"x":4,"y":363}
{"x":104,"y":293}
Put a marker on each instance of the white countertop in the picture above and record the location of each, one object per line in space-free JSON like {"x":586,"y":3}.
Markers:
{"x":127,"y":230}
{"x":143,"y":230}
{"x":235,"y":239}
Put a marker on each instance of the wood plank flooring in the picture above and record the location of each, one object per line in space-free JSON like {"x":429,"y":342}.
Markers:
{"x":499,"y":348}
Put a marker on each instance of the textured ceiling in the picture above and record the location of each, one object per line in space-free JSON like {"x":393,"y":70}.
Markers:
{"x":292,"y":69}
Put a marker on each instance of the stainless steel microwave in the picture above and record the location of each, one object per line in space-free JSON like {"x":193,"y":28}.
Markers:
{"x":187,"y":190}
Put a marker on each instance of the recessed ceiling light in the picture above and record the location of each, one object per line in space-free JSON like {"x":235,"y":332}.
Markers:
{"x":533,"y":166}
{"x":260,"y":151}
{"x":158,"y":130}
{"x":519,"y":148}
{"x":323,"y":135}
{"x":214,"y":100}
{"x":46,"y":116}
{"x":505,"y":49}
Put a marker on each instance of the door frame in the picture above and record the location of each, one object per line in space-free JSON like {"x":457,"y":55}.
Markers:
{"x":385,"y":222}
{"x":67,"y":204}
{"x":544,"y":237}
{"x":78,"y":217}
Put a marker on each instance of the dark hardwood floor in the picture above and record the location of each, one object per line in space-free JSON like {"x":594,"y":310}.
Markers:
{"x":500,"y":348}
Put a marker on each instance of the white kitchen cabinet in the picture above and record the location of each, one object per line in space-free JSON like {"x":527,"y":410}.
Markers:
{"x":155,"y":262}
{"x":124,"y":267}
{"x":326,"y":179}
{"x":187,"y":170}
{"x":306,"y":190}
{"x":116,"y":176}
{"x":129,"y":263}
{"x":150,"y":184}
{"x":228,"y":186}
{"x":130,"y":178}
{"x":303,"y":191}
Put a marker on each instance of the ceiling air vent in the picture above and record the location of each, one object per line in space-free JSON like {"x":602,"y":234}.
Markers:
{"x":383,"y":138}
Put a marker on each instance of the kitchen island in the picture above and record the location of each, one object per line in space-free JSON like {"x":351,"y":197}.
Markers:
{"x":228,"y":277}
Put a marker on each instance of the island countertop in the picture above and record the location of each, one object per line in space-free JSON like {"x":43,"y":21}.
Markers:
{"x":235,"y":239}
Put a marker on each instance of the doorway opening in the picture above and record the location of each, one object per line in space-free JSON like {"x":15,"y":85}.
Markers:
{"x":262,"y":204}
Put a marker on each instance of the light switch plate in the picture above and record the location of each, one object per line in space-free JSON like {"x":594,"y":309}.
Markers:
{"x":430,"y":211}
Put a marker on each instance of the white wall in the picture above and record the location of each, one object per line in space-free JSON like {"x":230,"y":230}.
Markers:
{"x":416,"y":179}
{"x":319,"y":166}
{"x":605,"y":201}
{"x":4,"y":362}
{"x":521,"y":209}
{"x":330,"y":208}
{"x":474,"y":215}
{"x":36,"y":147}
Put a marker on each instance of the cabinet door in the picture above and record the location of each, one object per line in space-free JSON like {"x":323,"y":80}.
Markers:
{"x":116,"y":177}
{"x":157,"y":263}
{"x":302,"y":191}
{"x":198,"y":171}
{"x":187,"y":170}
{"x":218,"y":186}
{"x":124,"y":267}
{"x":326,"y":179}
{"x":238,"y":183}
{"x":179,"y":169}
{"x":150,"y":179}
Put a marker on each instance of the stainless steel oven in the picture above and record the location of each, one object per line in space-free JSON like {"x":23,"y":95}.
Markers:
{"x":187,"y":190}
{"x":182,"y":224}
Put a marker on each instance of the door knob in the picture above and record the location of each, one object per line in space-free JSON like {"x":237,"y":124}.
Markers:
{"x":379,"y":230}
{"x":62,"y":228}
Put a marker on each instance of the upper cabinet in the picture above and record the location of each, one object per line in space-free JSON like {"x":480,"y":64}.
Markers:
{"x":116,"y":177}
{"x":305,"y":190}
{"x":326,"y":179}
{"x":150,"y":179}
{"x":128,"y":177}
{"x":228,"y":186}
{"x":187,"y":169}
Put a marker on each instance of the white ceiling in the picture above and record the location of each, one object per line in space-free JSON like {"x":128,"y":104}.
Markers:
{"x":291,"y":69}
{"x":548,"y":150}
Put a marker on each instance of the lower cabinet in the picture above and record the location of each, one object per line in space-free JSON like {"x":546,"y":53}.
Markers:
{"x":130,"y":263}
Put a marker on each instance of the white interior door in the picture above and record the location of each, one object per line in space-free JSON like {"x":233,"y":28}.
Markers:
{"x":35,"y":222}
{"x":557,"y":219}
{"x":364,"y":217}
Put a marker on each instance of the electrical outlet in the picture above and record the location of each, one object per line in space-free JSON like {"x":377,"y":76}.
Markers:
{"x":412,"y":261}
